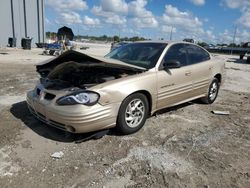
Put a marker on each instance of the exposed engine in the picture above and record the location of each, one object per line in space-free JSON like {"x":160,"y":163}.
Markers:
{"x":82,"y":75}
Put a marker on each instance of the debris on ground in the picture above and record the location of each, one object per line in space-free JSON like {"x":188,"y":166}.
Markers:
{"x":57,"y":155}
{"x":217,"y":112}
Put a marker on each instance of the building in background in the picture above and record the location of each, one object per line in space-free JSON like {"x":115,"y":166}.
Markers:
{"x":21,"y":19}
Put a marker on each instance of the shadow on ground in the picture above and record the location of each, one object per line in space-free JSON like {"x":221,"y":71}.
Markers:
{"x":174,"y":108}
{"x":20,"y":111}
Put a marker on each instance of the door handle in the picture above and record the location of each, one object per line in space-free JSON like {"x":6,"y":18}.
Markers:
{"x":188,"y":73}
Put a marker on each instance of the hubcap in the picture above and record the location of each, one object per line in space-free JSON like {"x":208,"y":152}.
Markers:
{"x":213,"y":91}
{"x":134,"y":113}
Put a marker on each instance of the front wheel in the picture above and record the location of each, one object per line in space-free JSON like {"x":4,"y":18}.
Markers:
{"x":212,"y":92}
{"x":132,"y":113}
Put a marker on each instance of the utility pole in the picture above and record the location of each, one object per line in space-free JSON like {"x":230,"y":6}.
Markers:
{"x":235,"y":31}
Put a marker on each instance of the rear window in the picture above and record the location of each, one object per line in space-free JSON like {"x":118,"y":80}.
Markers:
{"x":196,"y":54}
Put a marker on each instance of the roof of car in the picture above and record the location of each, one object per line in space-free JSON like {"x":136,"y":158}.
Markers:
{"x":163,"y":42}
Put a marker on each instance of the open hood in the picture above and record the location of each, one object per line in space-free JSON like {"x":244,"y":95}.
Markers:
{"x":74,"y":56}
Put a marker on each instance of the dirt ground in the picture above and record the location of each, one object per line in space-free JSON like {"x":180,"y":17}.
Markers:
{"x":185,"y":146}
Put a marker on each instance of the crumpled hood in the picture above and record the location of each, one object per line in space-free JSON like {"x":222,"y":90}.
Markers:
{"x":79,"y":57}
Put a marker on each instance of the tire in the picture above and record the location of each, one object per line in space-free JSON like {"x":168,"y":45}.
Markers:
{"x":241,"y":56}
{"x":51,"y":52}
{"x":130,"y":120}
{"x":248,"y":59}
{"x":212,"y":92}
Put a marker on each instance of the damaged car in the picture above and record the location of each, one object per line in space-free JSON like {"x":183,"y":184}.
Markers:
{"x":82,"y":93}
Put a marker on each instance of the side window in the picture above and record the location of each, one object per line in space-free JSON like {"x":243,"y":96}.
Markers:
{"x":176,"y":52}
{"x":196,"y":54}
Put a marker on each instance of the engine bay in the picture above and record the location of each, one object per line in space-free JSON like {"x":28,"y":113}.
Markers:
{"x":82,"y":75}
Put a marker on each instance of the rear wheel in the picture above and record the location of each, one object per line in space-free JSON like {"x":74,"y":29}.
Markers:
{"x":212,"y":92}
{"x":133,"y":113}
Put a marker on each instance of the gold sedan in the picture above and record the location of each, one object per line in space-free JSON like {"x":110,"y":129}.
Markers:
{"x":83,"y":93}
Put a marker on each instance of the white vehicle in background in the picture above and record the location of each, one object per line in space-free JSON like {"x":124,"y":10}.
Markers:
{"x":245,"y":51}
{"x":248,"y":56}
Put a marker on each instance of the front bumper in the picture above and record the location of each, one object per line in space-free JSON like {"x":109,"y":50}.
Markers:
{"x":73,"y":118}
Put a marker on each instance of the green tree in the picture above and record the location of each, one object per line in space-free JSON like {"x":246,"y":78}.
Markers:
{"x":116,"y":38}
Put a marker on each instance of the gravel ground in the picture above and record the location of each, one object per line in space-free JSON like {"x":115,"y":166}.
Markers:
{"x":185,"y":146}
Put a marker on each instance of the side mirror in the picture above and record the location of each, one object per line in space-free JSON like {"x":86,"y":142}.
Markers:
{"x":171,"y":64}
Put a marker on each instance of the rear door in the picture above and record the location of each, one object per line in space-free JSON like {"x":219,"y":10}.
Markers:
{"x":174,"y":85}
{"x":201,"y":67}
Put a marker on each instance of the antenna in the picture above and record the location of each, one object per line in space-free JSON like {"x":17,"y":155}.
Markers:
{"x":171,"y":33}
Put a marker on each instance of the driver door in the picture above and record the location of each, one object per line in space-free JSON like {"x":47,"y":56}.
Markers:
{"x":174,"y":85}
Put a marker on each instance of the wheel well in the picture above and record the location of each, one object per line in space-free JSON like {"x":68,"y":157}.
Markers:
{"x":149,"y":98}
{"x":218,"y":76}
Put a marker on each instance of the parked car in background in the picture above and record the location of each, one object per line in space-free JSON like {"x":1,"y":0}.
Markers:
{"x":83,"y":93}
{"x":245,"y":51}
{"x":188,"y":40}
{"x":117,"y":45}
{"x":248,"y":56}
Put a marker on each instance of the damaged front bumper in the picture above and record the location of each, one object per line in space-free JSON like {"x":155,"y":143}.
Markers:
{"x":73,"y":118}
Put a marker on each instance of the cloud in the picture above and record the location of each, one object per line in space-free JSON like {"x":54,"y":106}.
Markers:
{"x":69,"y":18}
{"x":141,"y":17}
{"x":198,"y":2}
{"x":113,"y":11}
{"x":244,"y":35}
{"x":236,"y":3}
{"x":137,"y":9}
{"x":98,"y":11}
{"x":244,"y":20}
{"x":117,"y":11}
{"x":244,"y":6}
{"x":147,"y":22}
{"x":118,"y":6}
{"x":227,"y":36}
{"x":109,"y":8}
{"x":67,"y":5}
{"x":116,"y":20}
{"x":184,"y":25}
{"x":168,"y":29}
{"x":90,"y":21}
{"x":183,"y":20}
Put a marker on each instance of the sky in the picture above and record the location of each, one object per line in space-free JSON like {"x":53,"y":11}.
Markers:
{"x":212,"y":21}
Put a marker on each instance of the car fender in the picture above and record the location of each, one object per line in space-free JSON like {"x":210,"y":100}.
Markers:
{"x":116,"y":91}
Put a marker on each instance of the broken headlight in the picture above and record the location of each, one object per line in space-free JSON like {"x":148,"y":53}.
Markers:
{"x":79,"y":97}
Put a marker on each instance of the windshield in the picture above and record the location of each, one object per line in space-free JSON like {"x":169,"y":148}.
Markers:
{"x":143,"y":55}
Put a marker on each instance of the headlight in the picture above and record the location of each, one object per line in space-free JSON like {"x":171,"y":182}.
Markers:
{"x":79,"y":97}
